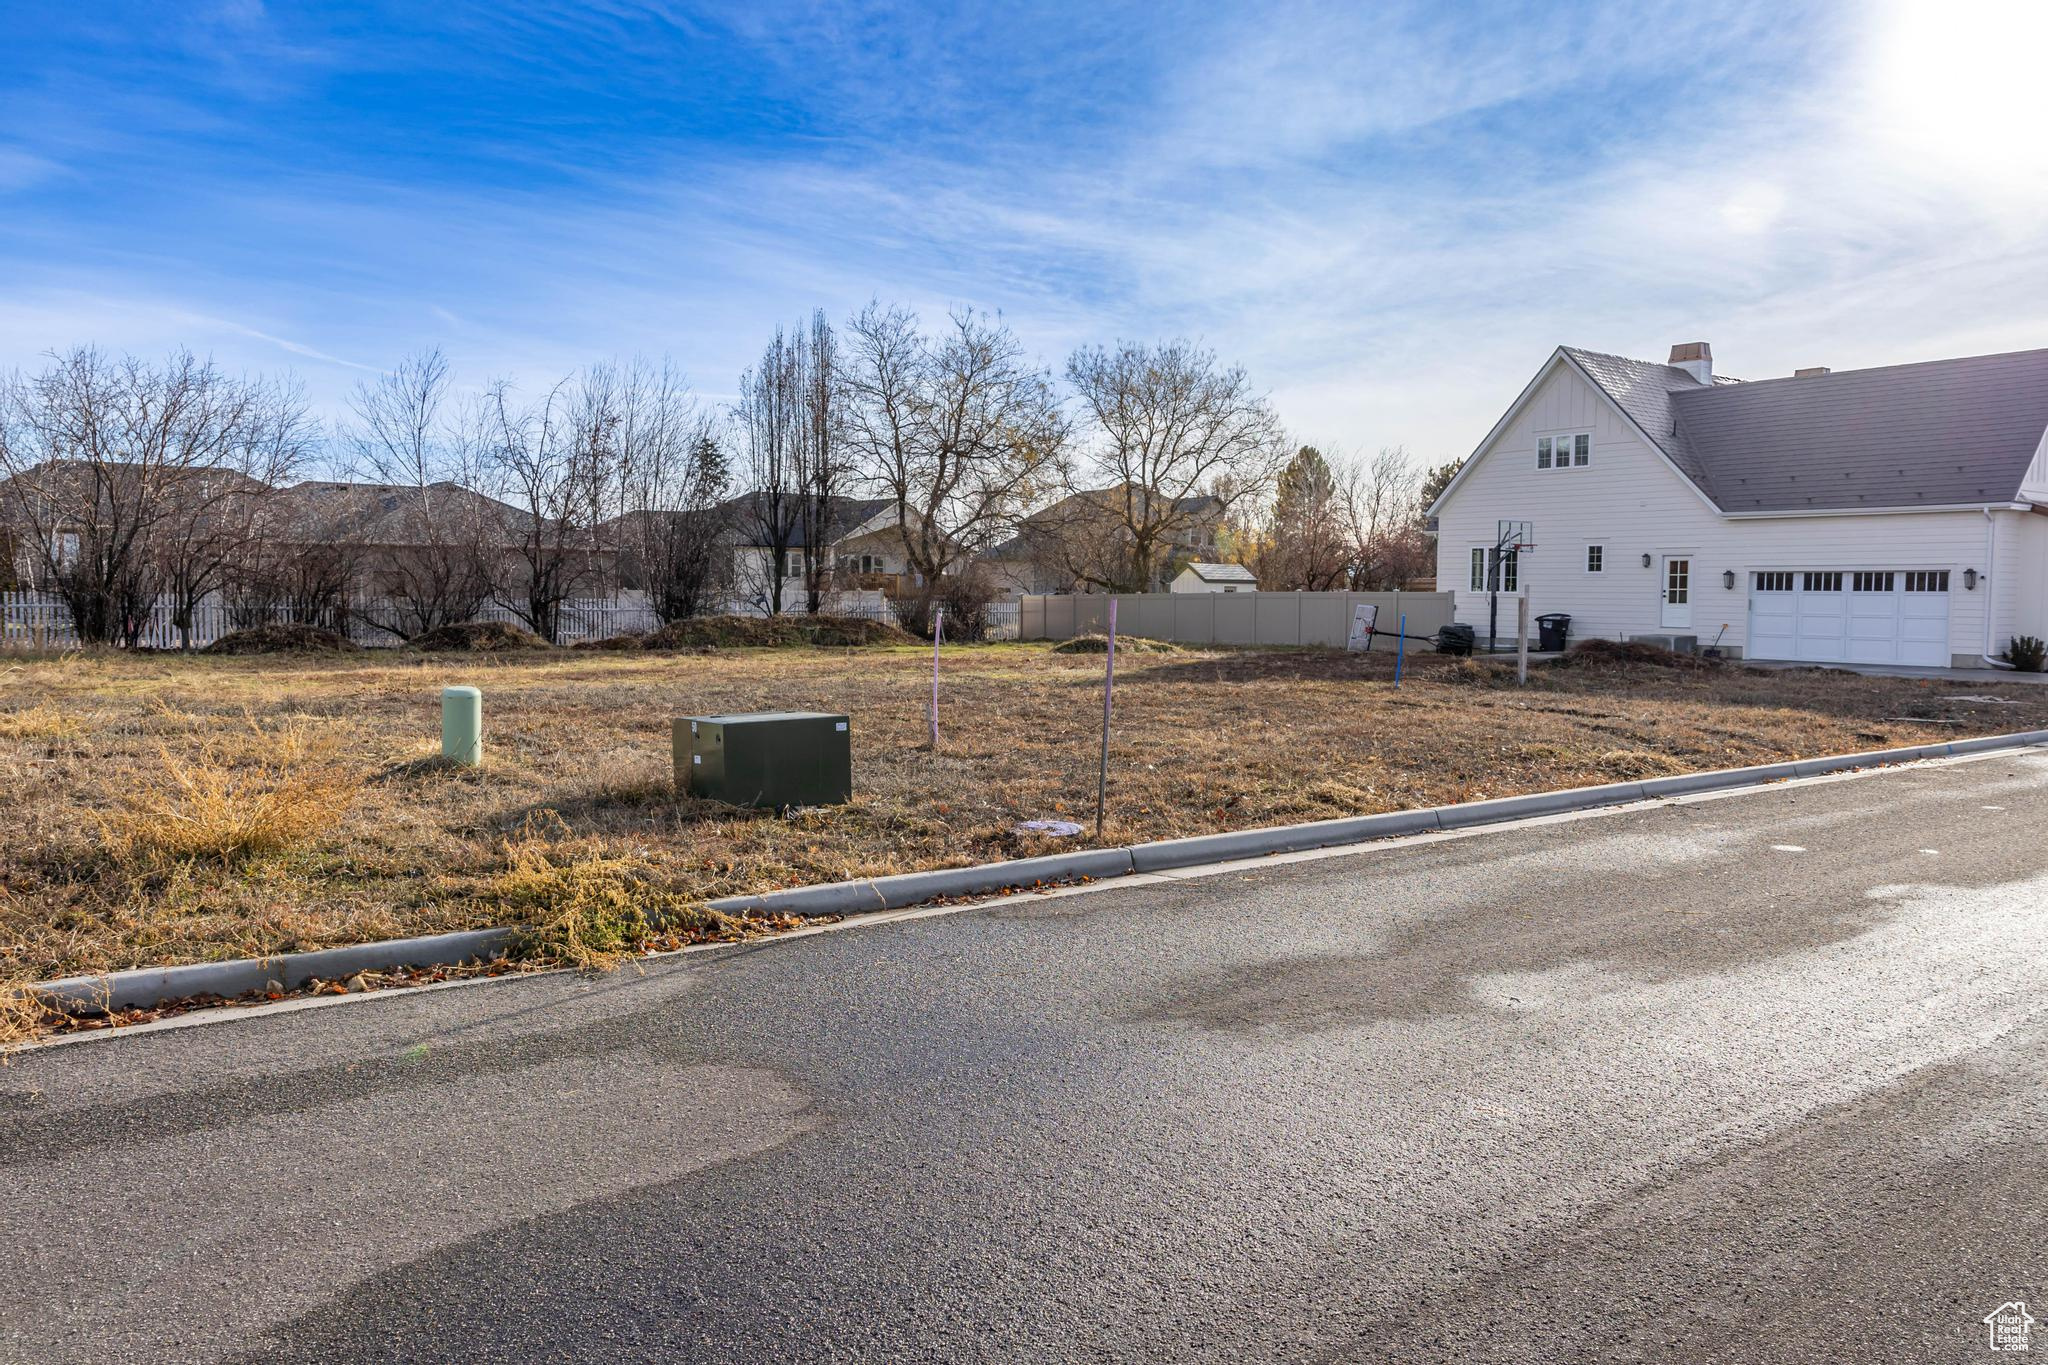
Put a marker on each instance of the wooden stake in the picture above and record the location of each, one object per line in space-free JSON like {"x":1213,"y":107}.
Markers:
{"x":1522,"y":638}
{"x":938,"y":634}
{"x":1108,"y":685}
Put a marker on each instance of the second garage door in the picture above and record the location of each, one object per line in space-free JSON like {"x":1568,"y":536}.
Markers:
{"x":1854,"y":616}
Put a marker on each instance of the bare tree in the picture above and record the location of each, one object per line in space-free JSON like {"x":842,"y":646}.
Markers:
{"x":821,"y":461}
{"x":219,"y":520}
{"x":771,"y":422}
{"x":125,"y":478}
{"x":667,"y":535}
{"x":959,"y":431}
{"x":1178,"y":439}
{"x":556,"y":460}
{"x":1383,"y":506}
{"x":433,"y":540}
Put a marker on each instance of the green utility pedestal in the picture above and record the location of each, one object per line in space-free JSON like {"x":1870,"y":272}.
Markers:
{"x":462,"y":726}
{"x":775,"y":759}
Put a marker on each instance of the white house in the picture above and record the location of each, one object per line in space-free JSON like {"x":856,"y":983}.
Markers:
{"x":1200,"y":577}
{"x":1891,"y":515}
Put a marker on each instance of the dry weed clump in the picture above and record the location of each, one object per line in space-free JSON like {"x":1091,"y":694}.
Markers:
{"x":587,"y":909}
{"x":277,"y":789}
{"x":40,"y":722}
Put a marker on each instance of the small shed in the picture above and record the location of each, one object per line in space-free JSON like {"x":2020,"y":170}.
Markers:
{"x":1199,"y":577}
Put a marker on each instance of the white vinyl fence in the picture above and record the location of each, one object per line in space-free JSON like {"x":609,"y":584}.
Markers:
{"x":1232,"y":618}
{"x":41,"y":621}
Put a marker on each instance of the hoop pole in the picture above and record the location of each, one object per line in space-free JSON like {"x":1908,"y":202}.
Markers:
{"x":1522,"y":637}
{"x":1400,"y":648}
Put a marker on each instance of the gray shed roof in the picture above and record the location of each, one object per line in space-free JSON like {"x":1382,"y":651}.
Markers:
{"x":1938,"y":433}
{"x":1222,"y":573}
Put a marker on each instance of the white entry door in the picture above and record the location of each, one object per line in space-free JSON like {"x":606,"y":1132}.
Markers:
{"x":1677,"y":613}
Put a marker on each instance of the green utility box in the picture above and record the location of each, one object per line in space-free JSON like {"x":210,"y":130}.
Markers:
{"x":775,"y":758}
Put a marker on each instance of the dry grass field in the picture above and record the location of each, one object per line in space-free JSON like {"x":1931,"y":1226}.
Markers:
{"x":161,"y":809}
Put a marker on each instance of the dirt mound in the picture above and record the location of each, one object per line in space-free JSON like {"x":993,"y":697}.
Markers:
{"x":762,"y":632}
{"x":280,"y":639}
{"x":1125,"y":644}
{"x":478,"y":637}
{"x":1624,"y":654}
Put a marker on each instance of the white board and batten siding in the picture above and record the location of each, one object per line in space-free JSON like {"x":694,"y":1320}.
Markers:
{"x":1628,"y":501}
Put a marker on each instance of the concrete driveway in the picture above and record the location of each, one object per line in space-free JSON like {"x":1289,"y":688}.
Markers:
{"x":1758,"y":1078}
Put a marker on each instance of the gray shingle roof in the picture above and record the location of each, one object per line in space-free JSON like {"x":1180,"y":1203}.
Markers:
{"x":1933,"y":434}
{"x":1938,"y":433}
{"x":1644,"y":391}
{"x":1223,"y":573}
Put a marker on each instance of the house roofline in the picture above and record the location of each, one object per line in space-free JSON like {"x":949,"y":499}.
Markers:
{"x":1561,"y":355}
{"x":1782,"y":513}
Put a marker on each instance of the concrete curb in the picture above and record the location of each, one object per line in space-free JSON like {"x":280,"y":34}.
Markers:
{"x":154,"y":985}
{"x":148,"y":986}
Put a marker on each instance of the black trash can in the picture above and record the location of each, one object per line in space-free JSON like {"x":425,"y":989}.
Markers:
{"x":1552,"y":631}
{"x":1455,"y":639}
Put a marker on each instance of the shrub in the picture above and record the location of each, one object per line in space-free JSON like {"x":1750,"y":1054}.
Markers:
{"x":289,"y":788}
{"x":761,"y":632}
{"x":40,"y":722}
{"x":280,"y":639}
{"x":1125,"y":644}
{"x":2027,"y":654}
{"x":478,"y":637}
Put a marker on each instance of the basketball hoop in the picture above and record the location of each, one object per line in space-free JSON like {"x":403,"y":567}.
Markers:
{"x":1515,"y":536}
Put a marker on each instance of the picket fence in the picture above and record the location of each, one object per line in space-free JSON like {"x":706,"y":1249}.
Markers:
{"x":41,"y":621}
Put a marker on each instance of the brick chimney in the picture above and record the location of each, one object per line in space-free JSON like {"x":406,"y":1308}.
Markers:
{"x":1810,"y":372}
{"x":1696,"y":358}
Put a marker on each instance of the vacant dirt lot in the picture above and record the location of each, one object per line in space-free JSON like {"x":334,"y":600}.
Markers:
{"x":161,"y":809}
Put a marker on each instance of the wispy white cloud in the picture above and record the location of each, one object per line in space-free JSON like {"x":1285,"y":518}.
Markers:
{"x":1389,"y":213}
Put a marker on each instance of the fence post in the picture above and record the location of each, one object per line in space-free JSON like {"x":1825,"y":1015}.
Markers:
{"x":1400,"y":648}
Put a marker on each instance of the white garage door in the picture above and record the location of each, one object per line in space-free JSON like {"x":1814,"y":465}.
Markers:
{"x":1855,"y":616}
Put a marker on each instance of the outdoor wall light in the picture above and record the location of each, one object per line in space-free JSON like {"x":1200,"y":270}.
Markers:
{"x":1646,"y":561}
{"x":1728,"y":579}
{"x":1970,"y":579}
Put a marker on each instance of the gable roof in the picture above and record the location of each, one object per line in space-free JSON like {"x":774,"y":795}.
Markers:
{"x":845,"y":515}
{"x":1940,"y":433}
{"x":1222,"y":573}
{"x":1644,"y":391}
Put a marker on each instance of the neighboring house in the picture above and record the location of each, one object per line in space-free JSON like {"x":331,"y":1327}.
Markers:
{"x":50,"y":512}
{"x":1081,"y":541}
{"x":1200,"y":577}
{"x":864,"y":550}
{"x":1890,"y":515}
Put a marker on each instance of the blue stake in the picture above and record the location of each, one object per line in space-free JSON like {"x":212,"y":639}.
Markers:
{"x":1400,"y":648}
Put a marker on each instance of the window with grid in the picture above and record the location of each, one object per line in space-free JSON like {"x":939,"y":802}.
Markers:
{"x":1564,"y":452}
{"x":1775,"y":581}
{"x":1677,"y":580}
{"x":1927,"y":580}
{"x":1824,"y":582}
{"x":1871,"y":582}
{"x":1509,"y":570}
{"x":1594,"y":557}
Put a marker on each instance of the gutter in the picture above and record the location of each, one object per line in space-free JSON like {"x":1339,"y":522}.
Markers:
{"x":1990,"y":588}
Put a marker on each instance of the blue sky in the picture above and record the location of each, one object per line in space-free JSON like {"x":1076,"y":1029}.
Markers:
{"x":1388,"y":212}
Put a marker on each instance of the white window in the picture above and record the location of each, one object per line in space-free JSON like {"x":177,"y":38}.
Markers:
{"x":1573,"y":449}
{"x":1508,"y":570}
{"x":1775,"y":580}
{"x":1594,"y":557}
{"x":1927,"y":580}
{"x":64,"y":549}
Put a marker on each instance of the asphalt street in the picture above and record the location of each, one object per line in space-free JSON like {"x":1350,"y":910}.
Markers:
{"x":1758,"y":1078}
